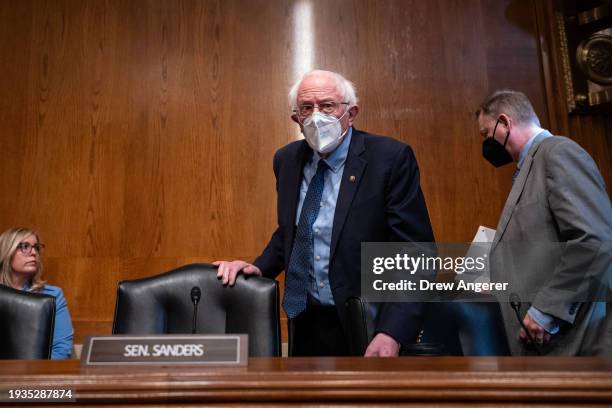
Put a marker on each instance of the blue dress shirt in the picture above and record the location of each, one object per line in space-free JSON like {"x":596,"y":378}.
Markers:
{"x":319,"y":291}
{"x":523,"y":154}
{"x":63,"y":332}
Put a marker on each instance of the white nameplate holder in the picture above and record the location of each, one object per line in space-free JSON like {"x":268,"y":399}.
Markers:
{"x":167,"y":350}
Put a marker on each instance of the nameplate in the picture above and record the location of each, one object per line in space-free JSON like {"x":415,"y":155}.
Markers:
{"x":217,"y":350}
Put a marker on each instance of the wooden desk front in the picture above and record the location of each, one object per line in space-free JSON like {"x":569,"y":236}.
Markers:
{"x":436,"y":381}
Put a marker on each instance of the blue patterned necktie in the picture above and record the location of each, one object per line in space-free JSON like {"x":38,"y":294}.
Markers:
{"x":297,"y":277}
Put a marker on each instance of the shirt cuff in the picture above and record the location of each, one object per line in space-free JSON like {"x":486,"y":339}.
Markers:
{"x":546,"y":321}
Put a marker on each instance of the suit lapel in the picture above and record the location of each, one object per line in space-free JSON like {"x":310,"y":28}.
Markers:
{"x":351,"y":178}
{"x":294,"y":182}
{"x":515,"y":193}
{"x":517,"y":190}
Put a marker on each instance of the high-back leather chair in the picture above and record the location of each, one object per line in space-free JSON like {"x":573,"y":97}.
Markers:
{"x":452,"y":328}
{"x":162,"y":304}
{"x":476,"y":326}
{"x":26,"y":324}
{"x":359,"y":324}
{"x":360,"y":318}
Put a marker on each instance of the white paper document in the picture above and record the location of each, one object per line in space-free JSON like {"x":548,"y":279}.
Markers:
{"x":480,"y":247}
{"x":484,"y":234}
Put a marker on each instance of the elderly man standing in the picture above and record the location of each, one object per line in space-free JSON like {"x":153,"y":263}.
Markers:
{"x":336,"y":189}
{"x":558,"y":217}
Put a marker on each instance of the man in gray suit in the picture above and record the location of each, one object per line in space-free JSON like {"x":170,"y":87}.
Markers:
{"x":558,"y":196}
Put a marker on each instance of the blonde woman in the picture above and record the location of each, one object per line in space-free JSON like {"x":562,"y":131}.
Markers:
{"x":21,"y":268}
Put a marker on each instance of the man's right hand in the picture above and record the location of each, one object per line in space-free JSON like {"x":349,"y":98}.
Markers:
{"x":228,"y":271}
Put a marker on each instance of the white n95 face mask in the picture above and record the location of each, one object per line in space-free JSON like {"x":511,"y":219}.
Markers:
{"x":322,"y":132}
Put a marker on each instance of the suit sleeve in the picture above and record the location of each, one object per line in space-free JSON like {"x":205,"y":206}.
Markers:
{"x":409,"y":222}
{"x":581,"y":209}
{"x":406,"y":209}
{"x":271,"y":261}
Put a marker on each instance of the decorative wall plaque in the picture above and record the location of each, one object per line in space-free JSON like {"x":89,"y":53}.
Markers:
{"x":585,"y":30}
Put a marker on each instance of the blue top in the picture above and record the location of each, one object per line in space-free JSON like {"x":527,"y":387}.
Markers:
{"x":63,"y":332}
{"x":319,"y":290}
{"x":525,"y":150}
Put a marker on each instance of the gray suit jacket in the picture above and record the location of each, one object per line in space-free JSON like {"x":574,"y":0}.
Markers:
{"x":558,"y":196}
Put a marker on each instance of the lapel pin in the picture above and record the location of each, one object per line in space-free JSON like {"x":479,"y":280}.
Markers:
{"x":352,"y":179}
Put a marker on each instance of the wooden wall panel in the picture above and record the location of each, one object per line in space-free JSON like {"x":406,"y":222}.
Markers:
{"x":138,"y":135}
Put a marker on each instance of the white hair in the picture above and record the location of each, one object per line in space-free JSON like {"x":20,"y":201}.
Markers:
{"x":343,"y":85}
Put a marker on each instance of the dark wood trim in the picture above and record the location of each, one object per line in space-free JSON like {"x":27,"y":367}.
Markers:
{"x":546,"y":15}
{"x":493,"y":380}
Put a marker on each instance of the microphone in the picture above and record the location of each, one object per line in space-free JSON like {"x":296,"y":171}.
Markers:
{"x":515,"y":303}
{"x":196,"y":294}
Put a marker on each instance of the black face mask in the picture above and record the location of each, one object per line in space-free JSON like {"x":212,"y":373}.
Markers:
{"x":495,"y":152}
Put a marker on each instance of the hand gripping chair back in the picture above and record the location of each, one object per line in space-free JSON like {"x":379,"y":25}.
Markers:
{"x":162,"y":304}
{"x":26,"y":324}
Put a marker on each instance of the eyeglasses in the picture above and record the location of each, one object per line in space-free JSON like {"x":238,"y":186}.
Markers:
{"x":26,"y":248}
{"x":327,"y":108}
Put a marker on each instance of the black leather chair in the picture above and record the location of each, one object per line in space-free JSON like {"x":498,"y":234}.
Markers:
{"x":162,"y":304}
{"x":453,"y":328}
{"x":469,"y":328}
{"x":26,"y":324}
{"x":360,"y":318}
{"x":359,"y":324}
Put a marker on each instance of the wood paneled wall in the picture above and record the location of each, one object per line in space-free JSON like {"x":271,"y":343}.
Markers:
{"x":138,"y":135}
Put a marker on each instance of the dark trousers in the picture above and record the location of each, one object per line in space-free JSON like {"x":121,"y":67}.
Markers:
{"x":317,"y":332}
